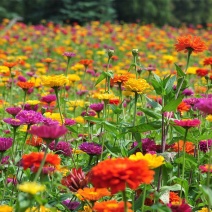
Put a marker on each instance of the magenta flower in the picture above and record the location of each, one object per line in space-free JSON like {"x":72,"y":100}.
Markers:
{"x":188,"y":92}
{"x":13,"y":122}
{"x":205,"y":168}
{"x":91,"y":148}
{"x":183,"y":207}
{"x":70,"y":122}
{"x":30,"y":117}
{"x":48,"y":133}
{"x":204,"y":105}
{"x":49,"y":98}
{"x":5,"y":144}
{"x":205,"y":146}
{"x":62,"y":147}
{"x":13,"y":110}
{"x":98,"y":107}
{"x":187,"y":123}
{"x":69,"y":54}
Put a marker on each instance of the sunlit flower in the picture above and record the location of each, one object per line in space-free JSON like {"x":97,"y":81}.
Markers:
{"x":139,"y":86}
{"x":86,"y":62}
{"x":204,"y":210}
{"x":178,"y":207}
{"x":35,"y":141}
{"x":105,"y":96}
{"x":31,"y":187}
{"x":204,"y":105}
{"x":190,"y":43}
{"x":93,"y":194}
{"x":209,"y":118}
{"x":111,"y":206}
{"x":119,"y":79}
{"x":183,"y":107}
{"x":13,"y":110}
{"x":201,"y":72}
{"x":153,"y":160}
{"x":55,"y":117}
{"x":118,"y":173}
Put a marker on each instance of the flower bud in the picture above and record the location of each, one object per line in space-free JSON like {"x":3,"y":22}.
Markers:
{"x":110,"y":53}
{"x":135,"y":52}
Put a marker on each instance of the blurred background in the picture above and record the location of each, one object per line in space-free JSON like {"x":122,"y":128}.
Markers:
{"x":159,"y":12}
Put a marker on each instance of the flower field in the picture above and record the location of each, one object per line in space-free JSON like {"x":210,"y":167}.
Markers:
{"x":105,"y":118}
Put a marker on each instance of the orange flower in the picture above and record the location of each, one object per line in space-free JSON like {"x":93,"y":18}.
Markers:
{"x":119,"y":173}
{"x":119,"y":79}
{"x":173,"y":197}
{"x":33,"y":160}
{"x":34,"y":141}
{"x":86,"y":62}
{"x":189,"y":43}
{"x":25,"y":85}
{"x":111,"y":206}
{"x":189,"y":147}
{"x":10,"y":64}
{"x":48,"y":60}
{"x":201,"y":72}
{"x":93,"y":194}
{"x":183,"y":107}
{"x":114,"y":101}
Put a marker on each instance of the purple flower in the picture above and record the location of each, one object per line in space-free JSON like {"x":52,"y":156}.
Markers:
{"x":30,"y":117}
{"x":22,"y":79}
{"x":31,"y":107}
{"x":50,"y":122}
{"x":5,"y":160}
{"x":148,"y":145}
{"x":62,"y":147}
{"x":71,"y":205}
{"x":204,"y":105}
{"x":49,"y":98}
{"x":188,"y":92}
{"x":13,"y":110}
{"x":191,"y":101}
{"x":13,"y":122}
{"x":80,"y":93}
{"x":12,"y":180}
{"x":98,"y":107}
{"x":91,"y":148}
{"x":5,"y":144}
{"x":205,"y":145}
{"x":88,"y":113}
{"x":69,"y":122}
{"x":69,"y":54}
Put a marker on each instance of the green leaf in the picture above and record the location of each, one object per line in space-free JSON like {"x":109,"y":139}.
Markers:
{"x":145,"y":127}
{"x":151,"y":113}
{"x":169,"y":84}
{"x":102,"y":76}
{"x":94,"y":119}
{"x":157,"y":86}
{"x":114,"y":150}
{"x":154,"y":104}
{"x":116,"y":109}
{"x":172,"y":105}
{"x":180,"y":72}
{"x":72,"y":129}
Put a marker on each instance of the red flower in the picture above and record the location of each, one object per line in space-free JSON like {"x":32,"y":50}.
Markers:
{"x":75,"y":180}
{"x":183,"y":207}
{"x":187,"y":123}
{"x":86,"y":62}
{"x":201,"y":72}
{"x":207,"y":61}
{"x":189,"y":43}
{"x":114,"y":101}
{"x":33,"y":160}
{"x":119,"y":173}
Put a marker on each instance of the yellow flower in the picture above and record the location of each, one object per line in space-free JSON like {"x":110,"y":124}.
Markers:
{"x":191,"y":70}
{"x":204,"y":210}
{"x":23,"y":128}
{"x":54,"y":81}
{"x":63,"y":170}
{"x":31,"y":187}
{"x":55,"y":117}
{"x":86,"y":209}
{"x":77,"y":151}
{"x":40,"y":209}
{"x":209,"y":118}
{"x":33,"y":102}
{"x":73,"y":77}
{"x":5,"y":208}
{"x":154,"y":161}
{"x":106,"y":96}
{"x":137,"y":85}
{"x":77,"y":103}
{"x":79,"y":120}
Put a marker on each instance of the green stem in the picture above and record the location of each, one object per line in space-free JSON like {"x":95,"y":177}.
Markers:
{"x":183,"y":166}
{"x":135,"y":108}
{"x":13,"y":145}
{"x":41,"y":165}
{"x":143,"y":198}
{"x":25,"y":93}
{"x":125,"y":200}
{"x":67,"y":66}
{"x":181,"y":84}
{"x":58,"y":102}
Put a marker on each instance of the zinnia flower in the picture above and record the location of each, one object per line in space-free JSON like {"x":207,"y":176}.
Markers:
{"x":34,"y":141}
{"x":6,"y":208}
{"x":13,"y":110}
{"x":71,"y":205}
{"x":207,"y":61}
{"x":205,"y":168}
{"x":25,"y":85}
{"x":201,"y":72}
{"x":98,"y":107}
{"x":33,"y":161}
{"x":49,"y":98}
{"x":14,"y":122}
{"x":55,"y":81}
{"x":119,"y":79}
{"x":62,"y":147}
{"x":75,"y":180}
{"x":183,"y":107}
{"x":205,"y":146}
{"x":187,"y":123}
{"x":93,"y":194}
{"x":86,"y":62}
{"x":31,"y":187}
{"x":204,"y":210}
{"x":5,"y":144}
{"x":189,"y":147}
{"x":91,"y":148}
{"x":153,"y":161}
{"x":48,"y":133}
{"x":190,"y":43}
{"x":204,"y":105}
{"x":111,"y":206}
{"x":69,"y":54}
{"x":139,"y":86}
{"x":179,"y":207}
{"x":118,"y":173}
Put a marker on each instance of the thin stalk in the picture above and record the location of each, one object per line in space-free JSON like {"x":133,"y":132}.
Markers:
{"x":125,"y":200}
{"x":135,"y":108}
{"x":183,"y":166}
{"x":143,"y":198}
{"x":58,"y":102}
{"x":13,"y":145}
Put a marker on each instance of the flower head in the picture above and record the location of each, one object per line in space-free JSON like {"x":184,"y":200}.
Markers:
{"x":93,"y":194}
{"x":189,"y":147}
{"x":34,"y":141}
{"x":14,"y":122}
{"x":205,"y":168}
{"x":91,"y":148}
{"x":190,"y":43}
{"x":33,"y":161}
{"x":75,"y":180}
{"x":5,"y":144}
{"x":187,"y":123}
{"x":49,"y":98}
{"x":204,"y":105}
{"x":55,"y":81}
{"x":31,"y":187}
{"x":71,"y":205}
{"x":153,"y":160}
{"x":62,"y":147}
{"x":25,"y":85}
{"x":179,"y":207}
{"x":48,"y":133}
{"x":205,"y":146}
{"x":139,"y":86}
{"x":13,"y":110}
{"x":118,"y":173}
{"x":201,"y":72}
{"x":98,"y":107}
{"x":207,"y":61}
{"x":111,"y":206}
{"x":6,"y":208}
{"x":204,"y":210}
{"x":69,"y":54}
{"x":69,"y":122}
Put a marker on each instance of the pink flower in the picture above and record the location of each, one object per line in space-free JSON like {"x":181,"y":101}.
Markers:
{"x":187,"y":123}
{"x":205,"y":168}
{"x":48,"y":133}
